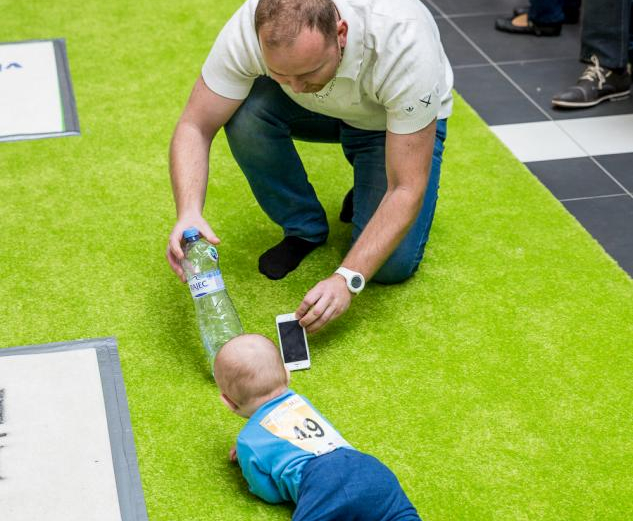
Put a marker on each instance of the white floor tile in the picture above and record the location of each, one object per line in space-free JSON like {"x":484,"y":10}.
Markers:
{"x":567,"y":138}
{"x":602,"y":135}
{"x":540,"y":141}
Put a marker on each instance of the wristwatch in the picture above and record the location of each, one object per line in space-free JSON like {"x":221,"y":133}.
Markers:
{"x":355,"y":281}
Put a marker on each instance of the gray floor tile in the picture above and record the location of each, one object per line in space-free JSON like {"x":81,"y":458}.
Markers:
{"x":571,"y":178}
{"x":511,"y":47}
{"x":457,"y":48}
{"x":609,"y":220}
{"x":544,"y":79}
{"x":452,"y":7}
{"x":619,"y":166}
{"x":496,"y":100}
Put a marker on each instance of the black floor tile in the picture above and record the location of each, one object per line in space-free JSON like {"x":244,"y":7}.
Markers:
{"x":457,"y":48}
{"x":619,"y":166}
{"x":452,"y":7}
{"x":544,"y":79}
{"x":570,"y":178}
{"x":511,"y":47}
{"x":496,"y":100}
{"x":609,"y":220}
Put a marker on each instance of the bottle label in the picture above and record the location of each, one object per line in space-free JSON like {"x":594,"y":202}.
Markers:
{"x":205,"y":283}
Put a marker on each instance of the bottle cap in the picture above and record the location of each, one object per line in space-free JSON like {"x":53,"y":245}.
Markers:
{"x":191,"y":234}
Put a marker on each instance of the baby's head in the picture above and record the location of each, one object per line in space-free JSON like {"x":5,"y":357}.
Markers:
{"x":249,"y":371}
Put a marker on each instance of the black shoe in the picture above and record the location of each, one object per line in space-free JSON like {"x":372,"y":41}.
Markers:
{"x":506,"y":25}
{"x":594,"y":86}
{"x":347,"y":210}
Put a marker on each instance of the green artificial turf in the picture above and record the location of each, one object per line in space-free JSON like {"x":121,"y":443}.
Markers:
{"x":496,"y":383}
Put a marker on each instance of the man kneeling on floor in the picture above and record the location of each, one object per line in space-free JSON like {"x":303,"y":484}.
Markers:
{"x":288,"y":451}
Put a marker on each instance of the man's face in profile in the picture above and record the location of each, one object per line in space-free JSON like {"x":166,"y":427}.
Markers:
{"x":306,"y":65}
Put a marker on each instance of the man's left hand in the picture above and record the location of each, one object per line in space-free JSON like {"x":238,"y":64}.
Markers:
{"x":324,"y":302}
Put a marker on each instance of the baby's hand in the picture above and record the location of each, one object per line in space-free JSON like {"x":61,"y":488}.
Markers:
{"x":233,"y":454}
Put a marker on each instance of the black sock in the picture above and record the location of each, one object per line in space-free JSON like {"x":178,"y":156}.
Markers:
{"x":281,"y":259}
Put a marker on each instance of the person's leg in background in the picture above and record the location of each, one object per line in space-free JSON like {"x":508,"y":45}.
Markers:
{"x":366,"y":151}
{"x":631,"y":35}
{"x":571,"y":10}
{"x":540,"y":18}
{"x":606,"y":26}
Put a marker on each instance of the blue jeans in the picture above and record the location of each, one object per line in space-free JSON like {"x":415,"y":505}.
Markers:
{"x":261,"y":135}
{"x":606,"y":32}
{"x":347,"y":485}
{"x":551,"y":11}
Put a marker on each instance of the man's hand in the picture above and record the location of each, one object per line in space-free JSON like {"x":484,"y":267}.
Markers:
{"x":174,"y":247}
{"x":233,"y":454}
{"x":324,"y":302}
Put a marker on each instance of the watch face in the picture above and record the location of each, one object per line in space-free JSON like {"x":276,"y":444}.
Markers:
{"x":356,"y":282}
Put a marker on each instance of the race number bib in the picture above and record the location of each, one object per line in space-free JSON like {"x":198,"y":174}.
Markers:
{"x":295,"y":421}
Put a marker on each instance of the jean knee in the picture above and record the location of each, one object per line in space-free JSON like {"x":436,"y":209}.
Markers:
{"x":258,"y":120}
{"x":397,"y":269}
{"x":245,"y":126}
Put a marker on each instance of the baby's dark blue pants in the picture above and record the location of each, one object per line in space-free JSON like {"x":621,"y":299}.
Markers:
{"x":347,"y":485}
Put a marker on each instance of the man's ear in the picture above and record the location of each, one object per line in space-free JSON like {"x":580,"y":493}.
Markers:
{"x":341,"y":32}
{"x":229,"y":403}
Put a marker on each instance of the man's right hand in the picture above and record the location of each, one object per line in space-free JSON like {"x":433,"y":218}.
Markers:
{"x":174,"y":247}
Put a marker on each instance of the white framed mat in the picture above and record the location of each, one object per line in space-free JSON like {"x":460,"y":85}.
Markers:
{"x":66,"y":445}
{"x":36,"y":95}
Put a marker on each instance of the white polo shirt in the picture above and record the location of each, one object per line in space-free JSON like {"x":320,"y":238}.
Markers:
{"x":394,"y":74}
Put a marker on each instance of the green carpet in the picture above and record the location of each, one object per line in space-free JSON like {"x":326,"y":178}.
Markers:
{"x":496,"y":383}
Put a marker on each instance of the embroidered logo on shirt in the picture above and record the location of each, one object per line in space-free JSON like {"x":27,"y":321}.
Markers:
{"x":425,"y":100}
{"x":409,"y":109}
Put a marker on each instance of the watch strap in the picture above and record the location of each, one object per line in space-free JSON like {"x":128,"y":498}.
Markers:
{"x":355,"y":281}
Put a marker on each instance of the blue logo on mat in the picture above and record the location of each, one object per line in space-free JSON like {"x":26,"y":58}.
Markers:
{"x":12,"y":65}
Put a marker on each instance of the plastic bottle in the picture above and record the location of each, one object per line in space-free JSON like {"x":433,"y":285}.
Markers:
{"x":217,"y":319}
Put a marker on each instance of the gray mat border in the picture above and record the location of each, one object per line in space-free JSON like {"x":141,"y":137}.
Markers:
{"x":69,"y":106}
{"x":128,"y":480}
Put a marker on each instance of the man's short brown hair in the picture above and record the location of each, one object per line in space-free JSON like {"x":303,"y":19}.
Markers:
{"x":283,"y":20}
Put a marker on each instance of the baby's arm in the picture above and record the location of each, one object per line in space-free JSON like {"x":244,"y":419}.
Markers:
{"x":259,"y":481}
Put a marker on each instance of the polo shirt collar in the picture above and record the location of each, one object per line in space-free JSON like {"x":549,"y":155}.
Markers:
{"x":353,"y":54}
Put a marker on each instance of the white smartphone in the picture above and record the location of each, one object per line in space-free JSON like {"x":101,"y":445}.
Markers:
{"x":293,"y":342}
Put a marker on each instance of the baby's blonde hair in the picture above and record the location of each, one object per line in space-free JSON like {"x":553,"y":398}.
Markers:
{"x":248,"y":367}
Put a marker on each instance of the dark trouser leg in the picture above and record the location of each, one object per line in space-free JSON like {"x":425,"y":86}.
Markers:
{"x":605,"y":32}
{"x":260,"y":136}
{"x":546,"y":11}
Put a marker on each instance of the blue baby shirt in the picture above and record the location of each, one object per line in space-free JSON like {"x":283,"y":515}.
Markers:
{"x":278,"y":440}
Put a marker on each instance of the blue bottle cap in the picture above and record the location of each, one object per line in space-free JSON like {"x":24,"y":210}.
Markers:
{"x":191,"y":234}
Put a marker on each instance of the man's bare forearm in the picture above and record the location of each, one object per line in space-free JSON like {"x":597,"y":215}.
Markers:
{"x":408,"y":162}
{"x":189,"y":168}
{"x":384,"y":231}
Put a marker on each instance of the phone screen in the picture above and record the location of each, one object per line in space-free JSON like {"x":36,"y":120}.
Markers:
{"x":292,"y":341}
